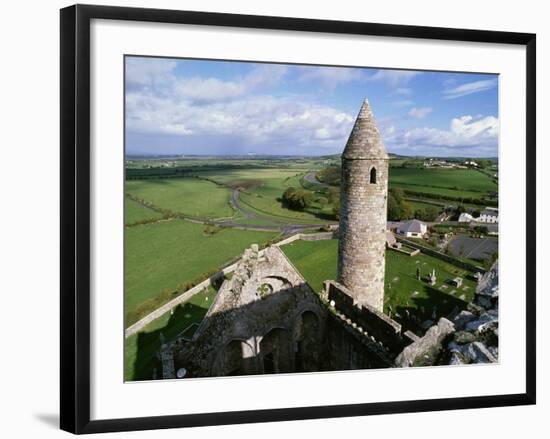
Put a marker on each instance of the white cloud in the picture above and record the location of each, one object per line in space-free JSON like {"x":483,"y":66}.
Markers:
{"x":146,"y":71}
{"x":420,"y":113}
{"x":449,"y":82}
{"x":202,"y":90}
{"x":466,"y":135}
{"x":265,"y":75}
{"x":394,"y":78}
{"x":469,"y":88}
{"x":208,"y":89}
{"x":241,"y":108}
{"x":256,"y":119}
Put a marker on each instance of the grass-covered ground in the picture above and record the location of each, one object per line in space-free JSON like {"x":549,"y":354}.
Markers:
{"x":189,"y":196}
{"x":163,"y":255}
{"x":134,"y":212}
{"x":453,"y":182}
{"x":317,"y":261}
{"x":420,"y":205}
{"x":140,"y":349}
{"x":264,"y":187}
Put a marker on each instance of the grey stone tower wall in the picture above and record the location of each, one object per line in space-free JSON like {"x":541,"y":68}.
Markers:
{"x":362,"y":233}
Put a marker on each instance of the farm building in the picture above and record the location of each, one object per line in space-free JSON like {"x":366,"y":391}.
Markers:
{"x":489,"y":215}
{"x":412,"y":229}
{"x":465,"y":217}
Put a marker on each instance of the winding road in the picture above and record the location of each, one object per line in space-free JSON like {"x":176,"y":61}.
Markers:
{"x":268,"y":223}
{"x":274,"y":224}
{"x":310,"y":178}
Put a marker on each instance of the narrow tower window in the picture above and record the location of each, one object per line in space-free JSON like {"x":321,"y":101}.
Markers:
{"x":373,"y":176}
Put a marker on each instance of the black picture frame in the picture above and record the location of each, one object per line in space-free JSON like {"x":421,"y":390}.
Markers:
{"x":75,"y":217}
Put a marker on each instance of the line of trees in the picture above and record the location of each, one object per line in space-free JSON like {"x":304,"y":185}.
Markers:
{"x":466,"y":200}
{"x":399,"y":209}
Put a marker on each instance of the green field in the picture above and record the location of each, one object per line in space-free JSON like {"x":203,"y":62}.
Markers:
{"x":420,"y":205}
{"x":263,"y":188}
{"x":188,"y":196}
{"x":452,"y":182}
{"x":317,"y":261}
{"x":140,"y":348}
{"x":261,"y":175}
{"x":135,"y":212}
{"x":163,"y":255}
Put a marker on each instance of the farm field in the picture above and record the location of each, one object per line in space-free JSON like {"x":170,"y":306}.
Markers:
{"x":135,"y":212}
{"x":420,"y":205}
{"x":188,"y":196}
{"x":253,"y":175}
{"x":140,"y":348}
{"x":263,"y":189}
{"x":437,"y":190}
{"x":163,"y":255}
{"x":453,"y":182}
{"x":266,"y":203}
{"x":317,"y":261}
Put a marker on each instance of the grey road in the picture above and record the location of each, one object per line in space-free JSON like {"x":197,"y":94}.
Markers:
{"x":273,"y":224}
{"x":310,"y":178}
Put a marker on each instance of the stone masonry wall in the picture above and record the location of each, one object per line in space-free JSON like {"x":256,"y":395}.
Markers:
{"x":267,"y":309}
{"x":374,"y":323}
{"x":362,"y":243}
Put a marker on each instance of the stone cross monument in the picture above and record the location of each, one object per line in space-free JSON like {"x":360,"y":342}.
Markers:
{"x":363,"y":201}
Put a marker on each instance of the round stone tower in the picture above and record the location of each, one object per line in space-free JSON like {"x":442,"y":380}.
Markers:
{"x":363,"y":199}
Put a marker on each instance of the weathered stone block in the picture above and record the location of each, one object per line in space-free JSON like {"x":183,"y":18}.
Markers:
{"x":425,"y":351}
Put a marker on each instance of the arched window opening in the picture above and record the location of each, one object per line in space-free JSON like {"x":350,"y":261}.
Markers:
{"x":373,"y":176}
{"x":275,"y":351}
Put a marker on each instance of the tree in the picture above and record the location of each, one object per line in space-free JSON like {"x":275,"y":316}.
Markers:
{"x":333,"y":195}
{"x":398,"y":208}
{"x":296,"y":199}
{"x":334,"y":199}
{"x":394,"y":210}
{"x":406,"y":210}
{"x":336,"y":208}
{"x":398,"y":194}
{"x":482,"y":230}
{"x":429,"y":213}
{"x":484,"y":163}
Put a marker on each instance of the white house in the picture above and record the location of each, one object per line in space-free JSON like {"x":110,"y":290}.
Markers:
{"x":465,"y":217}
{"x":412,"y":229}
{"x":489,"y":215}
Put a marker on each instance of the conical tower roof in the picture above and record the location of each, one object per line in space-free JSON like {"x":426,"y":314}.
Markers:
{"x":364,"y":141}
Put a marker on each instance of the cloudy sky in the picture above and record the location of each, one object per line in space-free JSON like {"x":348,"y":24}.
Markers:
{"x":223,"y":107}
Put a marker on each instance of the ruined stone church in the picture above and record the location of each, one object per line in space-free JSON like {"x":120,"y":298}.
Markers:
{"x":267,"y":319}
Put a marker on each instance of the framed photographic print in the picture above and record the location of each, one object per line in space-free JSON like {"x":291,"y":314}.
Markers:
{"x":304,"y":218}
